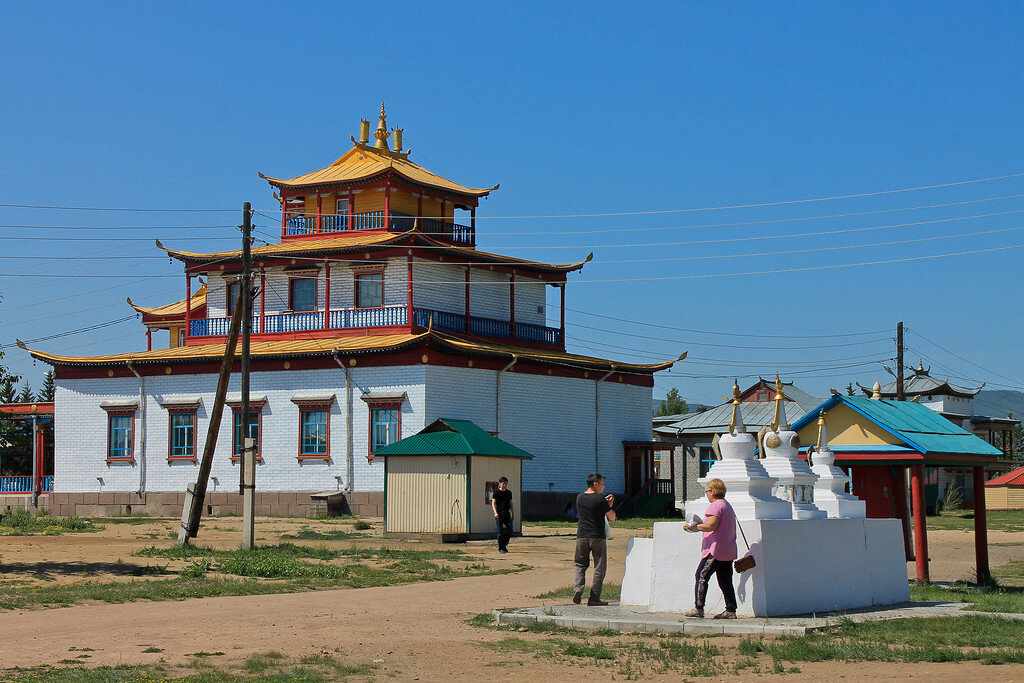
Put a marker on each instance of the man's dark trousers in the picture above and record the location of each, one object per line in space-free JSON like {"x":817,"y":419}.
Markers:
{"x":504,"y":523}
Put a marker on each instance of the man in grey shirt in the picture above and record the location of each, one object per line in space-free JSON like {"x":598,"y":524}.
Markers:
{"x":592,"y":508}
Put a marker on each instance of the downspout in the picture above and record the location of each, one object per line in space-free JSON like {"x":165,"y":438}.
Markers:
{"x":35,"y":463}
{"x":348,"y":425}
{"x":597,"y":419}
{"x":497,"y":393}
{"x":142,"y":430}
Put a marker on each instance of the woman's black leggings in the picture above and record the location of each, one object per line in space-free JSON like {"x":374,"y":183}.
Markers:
{"x":723,"y":568}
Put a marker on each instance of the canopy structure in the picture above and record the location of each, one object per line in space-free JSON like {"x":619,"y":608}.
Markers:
{"x":447,"y":436}
{"x":868,"y":432}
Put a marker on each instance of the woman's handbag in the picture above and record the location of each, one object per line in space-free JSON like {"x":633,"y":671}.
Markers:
{"x":747,"y":561}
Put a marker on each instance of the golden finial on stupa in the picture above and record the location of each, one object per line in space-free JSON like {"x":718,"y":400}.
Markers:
{"x":779,"y":398}
{"x":736,"y":417}
{"x":382,"y":130}
{"x":822,"y":439}
{"x":876,"y":391}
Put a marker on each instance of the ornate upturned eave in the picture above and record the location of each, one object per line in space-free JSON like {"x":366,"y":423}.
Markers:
{"x":155,"y":316}
{"x":369,"y":243}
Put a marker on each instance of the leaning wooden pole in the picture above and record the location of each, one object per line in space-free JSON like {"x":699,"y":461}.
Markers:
{"x":195,"y":495}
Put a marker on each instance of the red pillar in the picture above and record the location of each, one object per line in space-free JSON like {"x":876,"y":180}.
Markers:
{"x":920,"y":525}
{"x":387,"y":204}
{"x":980,"y":526}
{"x":562,"y":326}
{"x":512,"y":304}
{"x":351,"y":210}
{"x":40,"y":437}
{"x":284,"y":215}
{"x":467,"y":300}
{"x":408,"y":305}
{"x":319,"y":211}
{"x":327,"y":295}
{"x":472,"y":225}
{"x":149,"y":339}
{"x":263,"y":300}
{"x":188,"y":305}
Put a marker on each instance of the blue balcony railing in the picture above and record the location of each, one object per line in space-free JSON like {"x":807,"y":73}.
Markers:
{"x":374,"y":220}
{"x":385,"y":316}
{"x":11,"y":484}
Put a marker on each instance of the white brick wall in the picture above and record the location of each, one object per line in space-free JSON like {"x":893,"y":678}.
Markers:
{"x":551,"y":417}
{"x":439,"y":286}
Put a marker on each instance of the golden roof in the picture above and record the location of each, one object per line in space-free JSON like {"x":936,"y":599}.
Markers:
{"x":356,"y":345}
{"x":174,"y":310}
{"x":364,"y":162}
{"x":358,"y":242}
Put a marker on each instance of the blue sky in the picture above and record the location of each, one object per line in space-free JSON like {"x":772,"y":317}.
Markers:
{"x":612,"y":128}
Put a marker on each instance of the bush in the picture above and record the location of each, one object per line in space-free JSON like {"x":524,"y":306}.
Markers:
{"x":953,"y":501}
{"x":361,"y":526}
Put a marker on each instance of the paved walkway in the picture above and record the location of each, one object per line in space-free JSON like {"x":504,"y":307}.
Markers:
{"x":631,"y":618}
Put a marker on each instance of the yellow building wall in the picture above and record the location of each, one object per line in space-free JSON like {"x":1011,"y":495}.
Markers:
{"x":1004,"y":498}
{"x":484,"y":470}
{"x":426,"y":494}
{"x":847,"y":427}
{"x":373,"y":200}
{"x":174,"y":337}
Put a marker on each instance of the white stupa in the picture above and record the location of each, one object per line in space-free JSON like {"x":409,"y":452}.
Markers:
{"x":794,"y":478}
{"x":748,"y":486}
{"x":830,"y":490}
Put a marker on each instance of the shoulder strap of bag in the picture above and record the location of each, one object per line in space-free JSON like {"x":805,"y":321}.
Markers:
{"x":743,"y":535}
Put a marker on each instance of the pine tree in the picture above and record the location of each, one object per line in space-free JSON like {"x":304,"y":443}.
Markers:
{"x":25,"y":395}
{"x":46,"y":393}
{"x":849,"y":389}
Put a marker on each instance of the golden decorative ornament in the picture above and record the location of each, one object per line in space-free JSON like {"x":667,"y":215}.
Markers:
{"x":795,"y":443}
{"x":352,"y":362}
{"x":293,"y":262}
{"x":110,"y":373}
{"x":425,"y":358}
{"x":167,"y":370}
{"x":34,"y":407}
{"x":287,"y":364}
{"x":772,"y":441}
{"x":586,"y":373}
{"x":222,"y":265}
{"x":470,"y":363}
{"x":549,"y":371}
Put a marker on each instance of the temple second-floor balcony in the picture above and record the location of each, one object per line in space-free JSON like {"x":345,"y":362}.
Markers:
{"x":374,"y":220}
{"x":385,"y":316}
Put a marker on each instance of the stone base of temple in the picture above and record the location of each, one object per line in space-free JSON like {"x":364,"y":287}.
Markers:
{"x":169,"y":504}
{"x":803,"y":567}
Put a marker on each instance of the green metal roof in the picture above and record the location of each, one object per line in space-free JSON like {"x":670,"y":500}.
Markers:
{"x":446,"y":436}
{"x":918,"y":426}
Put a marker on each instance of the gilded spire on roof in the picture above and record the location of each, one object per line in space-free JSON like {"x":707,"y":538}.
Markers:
{"x":382,"y":130}
{"x":364,"y":132}
{"x":822,"y":438}
{"x":737,"y":417}
{"x":779,"y":421}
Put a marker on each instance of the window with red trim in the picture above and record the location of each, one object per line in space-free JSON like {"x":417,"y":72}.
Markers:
{"x":302,"y":294}
{"x":255,"y":423}
{"x":369,"y":288}
{"x":314,"y":432}
{"x":120,"y":436}
{"x":181,"y":437}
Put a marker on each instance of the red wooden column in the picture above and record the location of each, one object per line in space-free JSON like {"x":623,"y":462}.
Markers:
{"x":188,"y":305}
{"x":467,"y":299}
{"x":40,"y":437}
{"x":444,"y":216}
{"x":387,"y":204}
{"x":351,"y":210}
{"x":980,"y":526}
{"x":149,"y":339}
{"x":472,"y":225}
{"x":319,"y":211}
{"x":327,"y":294}
{"x":408,"y":305}
{"x":512,"y":304}
{"x":920,"y":525}
{"x":562,"y":326}
{"x":419,"y":211}
{"x":263,"y":300}
{"x":284,"y":214}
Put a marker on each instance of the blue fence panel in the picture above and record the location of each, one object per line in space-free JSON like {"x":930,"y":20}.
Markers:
{"x":16,"y":484}
{"x":538,"y":333}
{"x":489,"y":327}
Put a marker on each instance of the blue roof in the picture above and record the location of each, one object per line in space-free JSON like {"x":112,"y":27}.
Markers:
{"x":919,"y":427}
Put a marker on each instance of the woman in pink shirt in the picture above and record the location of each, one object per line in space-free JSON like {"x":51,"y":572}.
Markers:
{"x":718,"y":550}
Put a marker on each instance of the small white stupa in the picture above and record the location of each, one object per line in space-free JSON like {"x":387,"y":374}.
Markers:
{"x":748,"y":486}
{"x":830,"y":490}
{"x":794,"y":479}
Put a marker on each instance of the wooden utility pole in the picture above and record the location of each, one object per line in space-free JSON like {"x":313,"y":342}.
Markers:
{"x":908,"y":534}
{"x":195,"y":494}
{"x":899,"y":362}
{"x":248,"y":472}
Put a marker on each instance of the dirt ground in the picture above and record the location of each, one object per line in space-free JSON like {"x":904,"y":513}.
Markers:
{"x":408,"y":632}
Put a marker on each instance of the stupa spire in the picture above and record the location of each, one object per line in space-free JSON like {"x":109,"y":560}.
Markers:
{"x":779,"y":422}
{"x":382,"y":130}
{"x":736,"y":425}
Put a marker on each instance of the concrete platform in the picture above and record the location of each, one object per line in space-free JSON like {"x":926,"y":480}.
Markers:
{"x":630,"y":618}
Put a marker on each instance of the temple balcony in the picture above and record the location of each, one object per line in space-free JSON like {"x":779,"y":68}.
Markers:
{"x":301,"y":226}
{"x":384,"y":317}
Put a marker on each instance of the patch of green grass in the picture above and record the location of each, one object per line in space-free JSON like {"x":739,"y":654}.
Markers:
{"x":308,"y":534}
{"x":152,"y":649}
{"x":202,"y":653}
{"x":609,"y":591}
{"x":483,"y":619}
{"x":516,"y":644}
{"x":360,"y":525}
{"x":258,"y":663}
{"x":130,"y":518}
{"x":385,"y":553}
{"x":562,"y":523}
{"x":19,"y":522}
{"x":995,"y":520}
{"x":588,"y":651}
{"x":981,"y":598}
{"x":953,"y":631}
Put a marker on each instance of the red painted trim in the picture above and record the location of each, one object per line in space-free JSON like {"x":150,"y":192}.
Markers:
{"x":562,"y":314}
{"x":316,"y":292}
{"x":284,"y":213}
{"x":419,"y":211}
{"x":318,"y":406}
{"x":188,"y":300}
{"x":319,"y":211}
{"x":114,"y":412}
{"x":171,"y":412}
{"x":149,"y":339}
{"x":42,"y":409}
{"x":327,"y":294}
{"x":381,"y":404}
{"x":472,"y":224}
{"x":263,"y":301}
{"x":920,"y":527}
{"x":408,"y":305}
{"x":512,"y":304}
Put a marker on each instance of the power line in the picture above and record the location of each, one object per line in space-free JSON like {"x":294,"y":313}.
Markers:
{"x":90,"y":328}
{"x":956,"y":355}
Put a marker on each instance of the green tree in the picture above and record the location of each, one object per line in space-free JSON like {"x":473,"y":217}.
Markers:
{"x":674,"y":404}
{"x":46,"y":393}
{"x":1016,"y":440}
{"x":25,"y":395}
{"x":15,"y":436}
{"x":849,"y":389}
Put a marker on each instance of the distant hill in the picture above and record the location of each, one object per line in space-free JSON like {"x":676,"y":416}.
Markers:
{"x":998,"y":403}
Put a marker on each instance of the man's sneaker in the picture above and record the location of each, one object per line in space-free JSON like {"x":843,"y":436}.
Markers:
{"x":577,"y":597}
{"x":726,"y":615}
{"x":502,"y":550}
{"x":695,"y":613}
{"x":595,"y":602}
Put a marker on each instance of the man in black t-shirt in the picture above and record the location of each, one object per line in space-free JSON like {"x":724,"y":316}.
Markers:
{"x":592,"y":508}
{"x":501,"y":503}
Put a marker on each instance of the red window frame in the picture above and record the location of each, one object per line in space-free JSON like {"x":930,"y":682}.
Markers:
{"x":316,"y":292}
{"x":122,"y":411}
{"x":254,"y":407}
{"x":357,"y":273}
{"x":182,"y":410}
{"x":381,"y":404}
{"x":314,"y":405}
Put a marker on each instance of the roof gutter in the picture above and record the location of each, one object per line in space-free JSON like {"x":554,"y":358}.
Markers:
{"x":142,"y":429}
{"x":497,"y":394}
